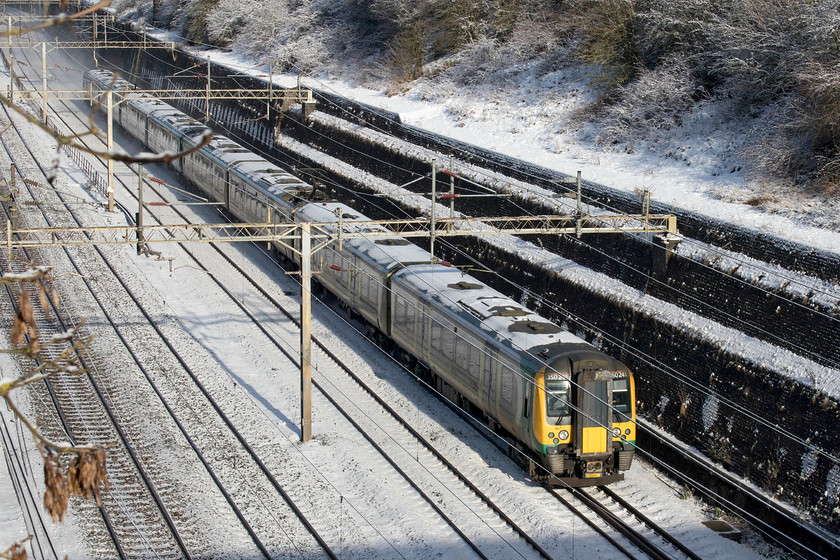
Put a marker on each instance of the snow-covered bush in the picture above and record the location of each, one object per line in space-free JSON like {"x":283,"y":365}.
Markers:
{"x":784,"y":54}
{"x":655,"y":101}
{"x":244,"y":21}
{"x":608,"y":38}
{"x":777,"y":59}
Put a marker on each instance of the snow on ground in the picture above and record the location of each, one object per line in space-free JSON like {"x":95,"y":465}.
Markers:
{"x":512,"y":125}
{"x":759,"y":352}
{"x":348,"y":482}
{"x":494,"y":131}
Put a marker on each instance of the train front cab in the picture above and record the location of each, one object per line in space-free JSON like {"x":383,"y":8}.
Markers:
{"x":584,"y":423}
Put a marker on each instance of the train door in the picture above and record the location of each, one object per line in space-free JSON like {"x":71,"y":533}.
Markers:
{"x":593,"y":414}
{"x":227,"y":187}
{"x":488,"y":382}
{"x":178,"y":164}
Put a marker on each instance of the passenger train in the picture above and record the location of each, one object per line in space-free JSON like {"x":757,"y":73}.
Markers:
{"x":556,"y":398}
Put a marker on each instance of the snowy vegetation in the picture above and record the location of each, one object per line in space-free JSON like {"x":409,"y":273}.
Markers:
{"x":645,"y":68}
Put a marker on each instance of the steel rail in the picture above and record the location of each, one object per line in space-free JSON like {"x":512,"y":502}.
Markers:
{"x":235,"y":432}
{"x":101,"y":397}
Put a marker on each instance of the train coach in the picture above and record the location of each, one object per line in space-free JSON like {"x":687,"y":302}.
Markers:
{"x":246,"y":184}
{"x":557,"y":399}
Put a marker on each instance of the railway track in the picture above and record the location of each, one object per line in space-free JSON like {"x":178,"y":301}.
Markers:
{"x":715,"y":484}
{"x":398,"y":443}
{"x":86,"y":417}
{"x":724,"y":274}
{"x":124,"y":483}
{"x":382,"y":438}
{"x":435,"y":476}
{"x":722,"y":267}
{"x":623,"y":257}
{"x":623,"y":525}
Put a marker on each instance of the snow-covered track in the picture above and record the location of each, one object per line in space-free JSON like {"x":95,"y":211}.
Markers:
{"x":270,"y":541}
{"x":757,"y":298}
{"x":647,"y":539}
{"x":37,"y":523}
{"x":429,"y":476}
{"x":401,"y":446}
{"x":468,"y":510}
{"x":638,"y":530}
{"x":133,"y":507}
{"x":636,"y":525}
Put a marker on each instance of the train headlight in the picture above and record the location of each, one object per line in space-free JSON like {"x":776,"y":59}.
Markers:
{"x":556,"y":441}
{"x":616,"y":432}
{"x":550,"y":435}
{"x":627,"y":431}
{"x":563,"y":434}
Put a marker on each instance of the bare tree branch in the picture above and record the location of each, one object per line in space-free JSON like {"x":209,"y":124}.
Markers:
{"x":61,"y":18}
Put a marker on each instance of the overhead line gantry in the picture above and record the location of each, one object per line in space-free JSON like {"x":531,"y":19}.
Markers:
{"x":287,"y":96}
{"x":304,"y":239}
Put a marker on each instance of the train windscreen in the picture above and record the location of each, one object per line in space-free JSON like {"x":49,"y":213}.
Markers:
{"x":558,"y":395}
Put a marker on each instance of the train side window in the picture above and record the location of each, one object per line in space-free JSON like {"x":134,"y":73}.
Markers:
{"x":409,"y":315}
{"x":474,"y":366}
{"x":422,"y":328}
{"x":399,"y":314}
{"x":369,"y":293}
{"x":364,"y":281}
{"x":364,"y":287}
{"x":449,"y":345}
{"x":621,"y":400}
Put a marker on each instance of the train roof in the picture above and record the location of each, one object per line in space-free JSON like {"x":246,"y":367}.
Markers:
{"x":181,"y":123}
{"x":333,"y":212}
{"x":225,"y":151}
{"x":108,"y":80}
{"x":388,"y":252}
{"x":153,"y":105}
{"x":169,"y":117}
{"x":384,"y":253}
{"x":512,"y":324}
{"x":271,"y":180}
{"x":328,"y":212}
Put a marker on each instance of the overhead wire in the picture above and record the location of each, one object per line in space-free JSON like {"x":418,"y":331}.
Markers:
{"x":256,"y":148}
{"x":326,"y":480}
{"x":666,"y":369}
{"x":459,"y":149}
{"x":742,"y":260}
{"x":809,"y":308}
